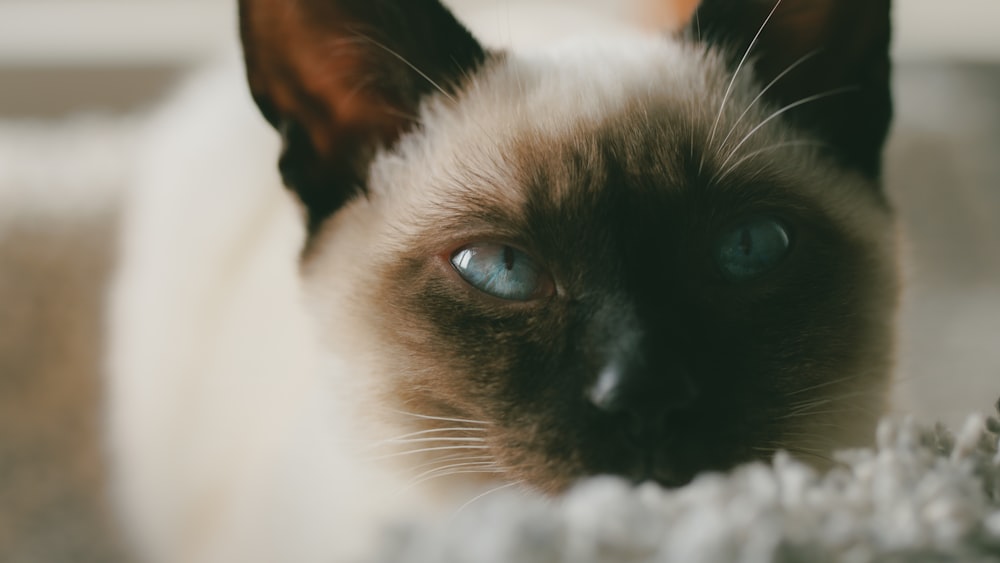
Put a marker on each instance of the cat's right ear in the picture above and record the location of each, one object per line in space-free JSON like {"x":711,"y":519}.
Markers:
{"x":341,"y":78}
{"x":825,"y":61}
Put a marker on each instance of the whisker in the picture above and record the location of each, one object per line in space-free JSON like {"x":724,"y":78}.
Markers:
{"x":823,"y":384}
{"x":482,"y":495}
{"x":790,"y":106}
{"x":797,"y":450}
{"x":793,"y":416}
{"x":404,"y":115}
{"x":449,"y":474}
{"x":425,"y":450}
{"x":803,"y":405}
{"x":405,"y":61}
{"x":790,"y":68}
{"x":459,"y":463}
{"x":455,"y":457}
{"x":810,"y":409}
{"x":441,"y":418}
{"x":437,"y":439}
{"x":817,"y":455}
{"x":806,"y":435}
{"x":732,"y":82}
{"x":796,"y":407}
{"x":722,"y":175}
{"x":439,"y":430}
{"x":413,"y":437}
{"x":450,"y":470}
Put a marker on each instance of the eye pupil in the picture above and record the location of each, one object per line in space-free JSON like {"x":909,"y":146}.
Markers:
{"x":746,"y":242}
{"x":751,"y":248}
{"x":508,"y":258}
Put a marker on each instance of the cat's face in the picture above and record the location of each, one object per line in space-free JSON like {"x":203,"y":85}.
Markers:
{"x":598,"y":259}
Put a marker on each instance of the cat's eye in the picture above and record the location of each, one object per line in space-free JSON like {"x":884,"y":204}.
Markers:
{"x":751,"y":248}
{"x":501,"y":271}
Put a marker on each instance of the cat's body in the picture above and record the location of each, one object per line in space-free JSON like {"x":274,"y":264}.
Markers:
{"x":268,"y":404}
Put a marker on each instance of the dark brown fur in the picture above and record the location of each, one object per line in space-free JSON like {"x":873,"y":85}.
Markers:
{"x":631,"y":246}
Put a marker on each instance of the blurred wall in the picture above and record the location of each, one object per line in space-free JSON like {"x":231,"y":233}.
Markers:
{"x":58,"y":56}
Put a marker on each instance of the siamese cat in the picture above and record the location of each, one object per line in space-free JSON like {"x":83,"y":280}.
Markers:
{"x":649,"y":256}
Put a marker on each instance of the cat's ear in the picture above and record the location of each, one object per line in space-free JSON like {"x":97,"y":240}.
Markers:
{"x":340,"y":78}
{"x":829,"y":56}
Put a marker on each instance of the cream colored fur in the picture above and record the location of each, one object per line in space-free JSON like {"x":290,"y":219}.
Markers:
{"x":244,"y":397}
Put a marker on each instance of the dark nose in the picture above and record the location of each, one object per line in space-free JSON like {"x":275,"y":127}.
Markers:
{"x":643,"y":396}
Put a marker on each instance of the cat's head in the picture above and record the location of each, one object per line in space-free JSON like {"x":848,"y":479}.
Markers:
{"x":648,"y":257}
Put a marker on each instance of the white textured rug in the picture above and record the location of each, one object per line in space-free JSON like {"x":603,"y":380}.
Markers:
{"x":923,"y":495}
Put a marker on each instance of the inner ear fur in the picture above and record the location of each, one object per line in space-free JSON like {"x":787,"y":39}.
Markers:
{"x":341,"y":78}
{"x":835,"y":45}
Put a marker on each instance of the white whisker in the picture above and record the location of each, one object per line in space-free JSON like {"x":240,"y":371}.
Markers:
{"x":790,"y":68}
{"x":455,"y":457}
{"x":732,"y":82}
{"x":487,"y":471}
{"x":482,"y":495}
{"x":834,"y":398}
{"x":441,"y":418}
{"x":438,"y":439}
{"x":406,"y":61}
{"x":449,"y":469}
{"x":804,"y":407}
{"x":804,"y":414}
{"x":414,"y":437}
{"x":819,"y":454}
{"x":719,"y":176}
{"x":823,"y":384}
{"x":439,"y":430}
{"x":790,"y":106}
{"x":426,"y":450}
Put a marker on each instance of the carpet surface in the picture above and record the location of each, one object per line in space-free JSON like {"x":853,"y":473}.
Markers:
{"x":923,"y":494}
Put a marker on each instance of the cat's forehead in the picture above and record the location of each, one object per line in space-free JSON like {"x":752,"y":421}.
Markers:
{"x":559,"y":120}
{"x":571,"y":91}
{"x":587,"y":82}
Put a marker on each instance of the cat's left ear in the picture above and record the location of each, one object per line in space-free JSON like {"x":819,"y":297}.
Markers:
{"x":341,"y":78}
{"x":836,"y":54}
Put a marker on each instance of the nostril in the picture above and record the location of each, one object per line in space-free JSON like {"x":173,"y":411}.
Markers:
{"x":640,"y":406}
{"x":643,"y":428}
{"x":636,"y":427}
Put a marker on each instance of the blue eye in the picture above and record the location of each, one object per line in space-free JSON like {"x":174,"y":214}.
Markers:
{"x":500,"y":271}
{"x":752,"y":248}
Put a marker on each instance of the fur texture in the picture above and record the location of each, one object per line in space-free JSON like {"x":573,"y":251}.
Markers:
{"x":254,"y":411}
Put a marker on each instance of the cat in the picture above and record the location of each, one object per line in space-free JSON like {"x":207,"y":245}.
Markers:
{"x":648,"y":257}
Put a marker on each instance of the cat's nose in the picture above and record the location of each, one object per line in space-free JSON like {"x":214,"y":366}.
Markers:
{"x":644,"y":397}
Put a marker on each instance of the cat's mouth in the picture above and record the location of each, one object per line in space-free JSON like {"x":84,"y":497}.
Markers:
{"x":648,"y":470}
{"x":556,"y":465}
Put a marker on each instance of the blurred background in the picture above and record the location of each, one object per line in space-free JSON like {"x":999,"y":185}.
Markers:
{"x":77,"y":75}
{"x":60,"y":56}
